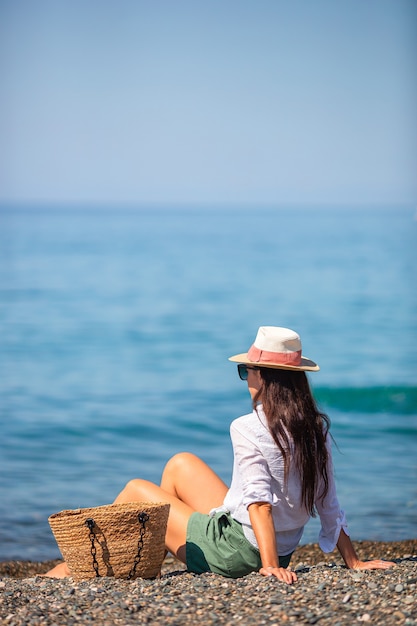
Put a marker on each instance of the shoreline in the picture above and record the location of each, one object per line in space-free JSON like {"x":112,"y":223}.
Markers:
{"x":309,"y":554}
{"x":326,"y":592}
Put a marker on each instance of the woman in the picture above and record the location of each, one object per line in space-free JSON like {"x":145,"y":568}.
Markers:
{"x":282,"y":476}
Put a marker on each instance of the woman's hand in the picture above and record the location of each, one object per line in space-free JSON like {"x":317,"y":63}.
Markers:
{"x":373,"y":564}
{"x":283,"y":574}
{"x":350,"y":557}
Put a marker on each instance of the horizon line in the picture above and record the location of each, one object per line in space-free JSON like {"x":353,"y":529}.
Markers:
{"x":48,"y":205}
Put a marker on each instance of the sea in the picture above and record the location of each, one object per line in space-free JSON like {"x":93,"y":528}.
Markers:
{"x":116,"y":324}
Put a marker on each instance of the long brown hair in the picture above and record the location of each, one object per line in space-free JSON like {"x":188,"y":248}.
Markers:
{"x":299,"y":429}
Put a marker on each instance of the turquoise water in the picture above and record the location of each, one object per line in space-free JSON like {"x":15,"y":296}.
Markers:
{"x":115,"y":330}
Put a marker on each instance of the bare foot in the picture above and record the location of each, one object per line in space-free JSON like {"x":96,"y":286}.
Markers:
{"x":59,"y":571}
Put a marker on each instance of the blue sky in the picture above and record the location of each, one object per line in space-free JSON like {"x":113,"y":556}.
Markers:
{"x":208,"y":102}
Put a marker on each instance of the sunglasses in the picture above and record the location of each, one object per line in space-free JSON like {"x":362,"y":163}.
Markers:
{"x":242,"y":370}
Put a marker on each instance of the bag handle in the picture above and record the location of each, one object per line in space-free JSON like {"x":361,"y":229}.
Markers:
{"x":143,"y":517}
{"x":91,"y":524}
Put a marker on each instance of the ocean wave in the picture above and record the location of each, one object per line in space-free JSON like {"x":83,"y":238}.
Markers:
{"x":394,"y":400}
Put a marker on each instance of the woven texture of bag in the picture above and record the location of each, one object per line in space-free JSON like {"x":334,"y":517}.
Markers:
{"x":117,"y":543}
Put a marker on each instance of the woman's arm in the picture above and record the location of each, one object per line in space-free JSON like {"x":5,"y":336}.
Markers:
{"x":351,"y":559}
{"x":260,"y":514}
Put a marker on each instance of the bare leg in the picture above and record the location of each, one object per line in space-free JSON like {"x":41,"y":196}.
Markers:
{"x":59,"y":571}
{"x":192,"y":481}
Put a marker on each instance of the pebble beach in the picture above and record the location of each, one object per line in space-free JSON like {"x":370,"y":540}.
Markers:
{"x":325,"y":593}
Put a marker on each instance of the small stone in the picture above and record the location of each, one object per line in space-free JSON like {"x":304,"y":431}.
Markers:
{"x":409,"y":600}
{"x":365,"y":617}
{"x":357,"y":576}
{"x":299,"y":567}
{"x":399,"y":588}
{"x":346,"y":598}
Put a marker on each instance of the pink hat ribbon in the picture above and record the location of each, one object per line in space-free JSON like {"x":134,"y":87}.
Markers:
{"x":279,"y":358}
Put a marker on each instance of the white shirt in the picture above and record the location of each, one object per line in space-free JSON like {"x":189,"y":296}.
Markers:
{"x":258,"y":476}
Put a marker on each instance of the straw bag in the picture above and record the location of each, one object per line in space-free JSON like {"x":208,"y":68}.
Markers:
{"x":120,"y":540}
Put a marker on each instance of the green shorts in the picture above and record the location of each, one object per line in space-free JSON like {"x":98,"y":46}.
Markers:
{"x":217,"y":544}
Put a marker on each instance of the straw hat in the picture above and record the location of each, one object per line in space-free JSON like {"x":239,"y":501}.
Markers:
{"x":277,"y":348}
